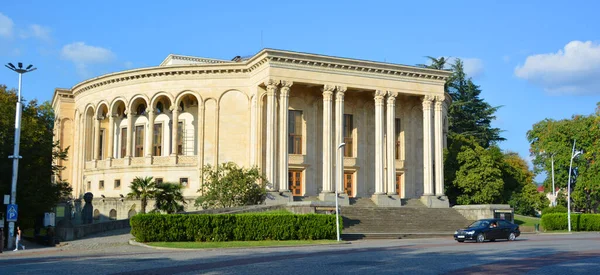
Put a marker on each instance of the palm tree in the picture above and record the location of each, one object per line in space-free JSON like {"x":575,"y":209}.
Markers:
{"x":142,"y":189}
{"x":436,"y":63}
{"x":168,"y":197}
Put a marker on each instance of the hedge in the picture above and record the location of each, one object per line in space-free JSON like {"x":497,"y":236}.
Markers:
{"x":231,"y":227}
{"x":554,"y":209}
{"x":579,"y":222}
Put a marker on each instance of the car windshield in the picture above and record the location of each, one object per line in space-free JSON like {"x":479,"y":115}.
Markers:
{"x":480,"y":224}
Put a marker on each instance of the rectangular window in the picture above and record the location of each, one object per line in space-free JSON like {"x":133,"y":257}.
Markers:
{"x":180,"y":138}
{"x":139,"y":141}
{"x":157,"y":140}
{"x":398,"y":130}
{"x":101,"y":185}
{"x":295,"y":132}
{"x":158,"y":180}
{"x":183,"y":182}
{"x":348,"y":129}
{"x":117,"y":184}
{"x":89,"y":185}
{"x":101,"y":145}
{"x":123,"y":142}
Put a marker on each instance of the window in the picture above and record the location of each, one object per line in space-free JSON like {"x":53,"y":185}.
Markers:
{"x":123,"y":142}
{"x":399,"y":184}
{"x":349,"y":183}
{"x":101,"y":145}
{"x":157,"y":140}
{"x":397,"y":128}
{"x":348,"y":128}
{"x":141,"y":109}
{"x":96,"y":214}
{"x":139,"y":141}
{"x":112,"y":215}
{"x":159,"y":108}
{"x":89,"y":185}
{"x":158,"y":180}
{"x":183,"y":182}
{"x":101,"y":185}
{"x":295,"y":132}
{"x":180,"y":138}
{"x":117,"y":184}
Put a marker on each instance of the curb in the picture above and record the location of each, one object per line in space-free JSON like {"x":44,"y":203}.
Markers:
{"x":135,"y":243}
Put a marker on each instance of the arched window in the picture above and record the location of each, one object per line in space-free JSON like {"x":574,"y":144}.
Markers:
{"x":181,"y":106}
{"x":141,"y":109}
{"x":112,"y":214}
{"x":131,"y":213}
{"x":159,"y":107}
{"x":96,"y":214}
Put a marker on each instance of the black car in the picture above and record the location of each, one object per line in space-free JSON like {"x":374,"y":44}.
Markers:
{"x":488,"y":229}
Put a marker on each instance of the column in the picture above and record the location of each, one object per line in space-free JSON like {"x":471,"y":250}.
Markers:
{"x":339,"y":135}
{"x":129,"y":133}
{"x":379,"y":176}
{"x":174,"y":129}
{"x":271,"y":133}
{"x":439,"y":142}
{"x":327,"y":139}
{"x":253,"y":132}
{"x":200,"y":140}
{"x":391,"y":143}
{"x":284,"y":94}
{"x":96,"y":137}
{"x":149,"y":132}
{"x":427,"y":161}
{"x":110,"y":136}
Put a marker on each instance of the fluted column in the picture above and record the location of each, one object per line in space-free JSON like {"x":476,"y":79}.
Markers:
{"x":439,"y":150}
{"x":327,"y":139}
{"x":284,"y":94}
{"x":379,"y":144}
{"x":96,"y":137}
{"x":339,"y":135}
{"x":149,"y":132}
{"x":110,"y":136}
{"x":427,"y":161}
{"x":129,"y":133}
{"x":391,"y":143}
{"x":271,"y":133}
{"x":174,"y":129}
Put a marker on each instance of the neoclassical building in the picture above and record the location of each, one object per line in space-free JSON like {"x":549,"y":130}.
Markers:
{"x":285,"y":112}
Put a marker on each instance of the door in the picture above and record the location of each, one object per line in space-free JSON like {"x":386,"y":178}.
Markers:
{"x":295,"y":182}
{"x":399,"y":184}
{"x":349,"y":184}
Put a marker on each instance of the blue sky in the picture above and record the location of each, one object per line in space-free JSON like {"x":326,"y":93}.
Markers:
{"x":537,"y":59}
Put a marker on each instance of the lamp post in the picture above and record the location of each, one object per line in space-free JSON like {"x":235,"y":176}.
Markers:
{"x":553,"y":189}
{"x":337,"y":184}
{"x":573,"y":155}
{"x":15,"y":156}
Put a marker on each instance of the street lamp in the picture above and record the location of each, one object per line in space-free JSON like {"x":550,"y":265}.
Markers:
{"x":573,"y":155}
{"x":15,"y":156}
{"x":338,"y":183}
{"x":553,"y":188}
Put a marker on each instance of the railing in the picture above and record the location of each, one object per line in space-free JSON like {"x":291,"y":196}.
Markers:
{"x":161,"y":160}
{"x":142,"y":161}
{"x":138,"y":161}
{"x":187,"y":159}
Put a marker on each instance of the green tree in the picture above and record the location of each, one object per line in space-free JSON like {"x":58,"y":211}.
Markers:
{"x":435,"y":63}
{"x":36,"y":192}
{"x":169,"y":197}
{"x":229,"y":185}
{"x":142,"y":189}
{"x":554,"y":138}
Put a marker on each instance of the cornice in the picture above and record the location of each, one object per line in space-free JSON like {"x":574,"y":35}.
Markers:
{"x":201,"y":60}
{"x":272,"y":58}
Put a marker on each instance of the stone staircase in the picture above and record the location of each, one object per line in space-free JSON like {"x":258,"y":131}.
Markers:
{"x":362,"y":219}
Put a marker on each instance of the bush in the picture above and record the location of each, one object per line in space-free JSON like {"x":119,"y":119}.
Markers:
{"x":555,"y":209}
{"x":231,"y":227}
{"x":579,"y":222}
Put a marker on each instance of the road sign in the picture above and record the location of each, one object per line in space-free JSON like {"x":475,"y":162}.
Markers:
{"x":12,"y":213}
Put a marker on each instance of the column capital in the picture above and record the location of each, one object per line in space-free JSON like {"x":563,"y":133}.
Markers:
{"x":285,"y":88}
{"x":341,"y":89}
{"x":149,"y":111}
{"x":286,"y":83}
{"x":328,"y":91}
{"x":439,"y":98}
{"x":379,"y":95}
{"x":391,"y":97}
{"x":272,"y":85}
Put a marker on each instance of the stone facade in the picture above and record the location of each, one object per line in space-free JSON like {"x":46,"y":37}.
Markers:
{"x":284,"y":112}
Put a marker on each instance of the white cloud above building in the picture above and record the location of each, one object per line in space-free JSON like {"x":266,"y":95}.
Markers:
{"x":83,"y":55}
{"x":6,"y":26}
{"x":575,"y":69}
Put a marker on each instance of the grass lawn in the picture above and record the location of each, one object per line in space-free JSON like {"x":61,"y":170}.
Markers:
{"x":197,"y":245}
{"x":527,"y":223}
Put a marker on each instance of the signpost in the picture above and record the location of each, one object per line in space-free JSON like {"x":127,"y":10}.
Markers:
{"x":12,"y":213}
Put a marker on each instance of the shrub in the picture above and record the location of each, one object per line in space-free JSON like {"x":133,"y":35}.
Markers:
{"x":232,"y":227}
{"x":579,"y":222}
{"x":555,"y":209}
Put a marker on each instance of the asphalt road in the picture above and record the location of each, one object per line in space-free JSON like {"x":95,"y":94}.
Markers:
{"x":111,"y":254}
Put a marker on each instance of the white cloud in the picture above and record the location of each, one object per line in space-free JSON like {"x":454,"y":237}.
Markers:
{"x":128,"y":65}
{"x":40,"y":32}
{"x":572,"y":70}
{"x":6,"y":26}
{"x":83,"y":55}
{"x":473,"y":67}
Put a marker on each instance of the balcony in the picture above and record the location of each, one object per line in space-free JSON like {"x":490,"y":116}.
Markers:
{"x":141,"y":162}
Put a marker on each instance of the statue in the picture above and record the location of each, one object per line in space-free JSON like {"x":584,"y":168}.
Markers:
{"x":87,"y":215}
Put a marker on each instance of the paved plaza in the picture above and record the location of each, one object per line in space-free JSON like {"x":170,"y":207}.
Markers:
{"x":110,"y":253}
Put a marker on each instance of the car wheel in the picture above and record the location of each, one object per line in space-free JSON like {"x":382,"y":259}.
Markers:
{"x":480,"y":238}
{"x":460,"y":241}
{"x":512,"y":237}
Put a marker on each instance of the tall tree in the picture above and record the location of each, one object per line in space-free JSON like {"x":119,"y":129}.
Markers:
{"x":36,"y":192}
{"x":142,"y":189}
{"x":436,"y":63}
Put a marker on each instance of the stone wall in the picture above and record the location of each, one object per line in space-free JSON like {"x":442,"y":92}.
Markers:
{"x":70,"y":233}
{"x":480,"y":211}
